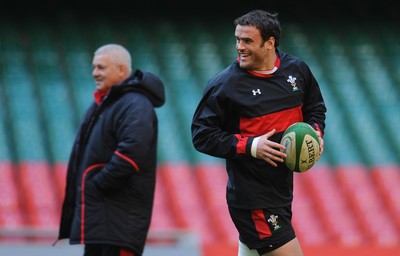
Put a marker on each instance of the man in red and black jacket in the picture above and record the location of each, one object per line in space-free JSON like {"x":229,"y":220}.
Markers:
{"x":241,"y":117}
{"x":111,"y":172}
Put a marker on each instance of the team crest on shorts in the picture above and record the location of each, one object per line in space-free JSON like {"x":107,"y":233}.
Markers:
{"x":273,"y":219}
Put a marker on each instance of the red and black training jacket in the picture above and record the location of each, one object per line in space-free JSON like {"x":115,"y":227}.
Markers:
{"x":237,"y":106}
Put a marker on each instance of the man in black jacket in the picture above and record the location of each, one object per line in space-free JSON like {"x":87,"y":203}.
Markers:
{"x":111,"y":172}
{"x":243,"y":113}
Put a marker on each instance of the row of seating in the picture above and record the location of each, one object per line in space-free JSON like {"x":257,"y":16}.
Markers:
{"x":46,"y":85}
{"x":349,"y":205}
{"x":45,"y":74}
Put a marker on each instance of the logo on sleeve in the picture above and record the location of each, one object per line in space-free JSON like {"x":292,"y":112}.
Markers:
{"x":292,"y":81}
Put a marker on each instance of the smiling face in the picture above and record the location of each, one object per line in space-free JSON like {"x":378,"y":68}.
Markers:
{"x":254,"y":53}
{"x":107,"y":71}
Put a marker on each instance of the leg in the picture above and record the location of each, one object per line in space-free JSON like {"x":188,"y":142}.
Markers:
{"x":245,"y":251}
{"x":106,"y":250}
{"x":92,"y":250}
{"x":292,"y":248}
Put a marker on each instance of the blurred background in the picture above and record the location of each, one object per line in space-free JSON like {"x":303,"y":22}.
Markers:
{"x":347,"y":204}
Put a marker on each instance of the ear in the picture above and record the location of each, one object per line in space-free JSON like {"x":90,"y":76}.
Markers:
{"x":270,"y":43}
{"x":123,"y":70}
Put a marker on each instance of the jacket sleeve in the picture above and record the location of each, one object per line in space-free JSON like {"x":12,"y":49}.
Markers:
{"x":208,"y":133}
{"x":314,"y":109}
{"x":135,"y":129}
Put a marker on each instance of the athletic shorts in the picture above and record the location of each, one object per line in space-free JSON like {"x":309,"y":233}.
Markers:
{"x":106,"y":250}
{"x":263,"y":229}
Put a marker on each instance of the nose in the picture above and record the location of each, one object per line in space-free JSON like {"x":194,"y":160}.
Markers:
{"x":94,"y":72}
{"x":239,"y":45}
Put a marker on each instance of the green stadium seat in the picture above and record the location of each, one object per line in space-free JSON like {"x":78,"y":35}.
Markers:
{"x":53,"y":92}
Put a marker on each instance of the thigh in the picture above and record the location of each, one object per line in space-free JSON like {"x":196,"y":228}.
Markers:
{"x":291,"y":248}
{"x":243,"y":250}
{"x":264,"y":230}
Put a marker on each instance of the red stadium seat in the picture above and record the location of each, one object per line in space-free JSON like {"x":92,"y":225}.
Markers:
{"x":212,"y":180}
{"x":332,"y":206}
{"x":186,"y":201}
{"x":162,"y":219}
{"x":11,"y":215}
{"x":38,"y":191}
{"x":371,"y":212}
{"x":387,"y":182}
{"x":306,"y":222}
{"x":59,"y":174}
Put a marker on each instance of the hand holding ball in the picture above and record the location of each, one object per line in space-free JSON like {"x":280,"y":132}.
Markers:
{"x":301,"y":147}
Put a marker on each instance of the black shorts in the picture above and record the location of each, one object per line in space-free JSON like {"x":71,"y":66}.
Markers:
{"x":106,"y":250}
{"x":263,"y":229}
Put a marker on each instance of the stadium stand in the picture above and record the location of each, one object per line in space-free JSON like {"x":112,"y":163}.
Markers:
{"x":330,"y":205}
{"x":309,"y":230}
{"x":212,"y":179}
{"x":186,"y":202}
{"x":386,"y":179}
{"x":351,"y":197}
{"x":11,"y":213}
{"x":367,"y":205}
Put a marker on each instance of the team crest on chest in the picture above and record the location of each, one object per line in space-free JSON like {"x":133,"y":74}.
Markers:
{"x":292,"y":81}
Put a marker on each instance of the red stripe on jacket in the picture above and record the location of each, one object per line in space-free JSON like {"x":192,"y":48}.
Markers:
{"x":90,"y":168}
{"x":256,"y":126}
{"x":135,"y":166}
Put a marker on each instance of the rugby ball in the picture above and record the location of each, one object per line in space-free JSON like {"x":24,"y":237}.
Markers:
{"x":301,"y":147}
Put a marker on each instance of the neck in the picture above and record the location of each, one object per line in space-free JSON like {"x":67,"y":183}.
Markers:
{"x":269,"y":63}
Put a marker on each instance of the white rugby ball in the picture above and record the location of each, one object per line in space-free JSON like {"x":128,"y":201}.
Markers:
{"x":301,"y":147}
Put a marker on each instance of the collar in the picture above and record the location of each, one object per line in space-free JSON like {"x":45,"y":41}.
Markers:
{"x":99,"y":95}
{"x":269,"y":72}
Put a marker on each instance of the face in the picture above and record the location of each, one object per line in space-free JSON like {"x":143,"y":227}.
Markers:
{"x":253,"y":52}
{"x":106,"y":73}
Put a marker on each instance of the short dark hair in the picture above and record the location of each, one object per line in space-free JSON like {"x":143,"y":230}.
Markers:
{"x":267,"y":23}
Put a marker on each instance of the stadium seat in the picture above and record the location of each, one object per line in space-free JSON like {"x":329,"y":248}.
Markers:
{"x":365,"y":201}
{"x":53,"y":93}
{"x":309,"y":229}
{"x":38,"y":191}
{"x":212,"y":179}
{"x":59,"y":175}
{"x":163,"y":219}
{"x":186,"y":201}
{"x":11,"y":214}
{"x":332,"y":206}
{"x":23,"y":107}
{"x":387,"y":181}
{"x":5,"y":142}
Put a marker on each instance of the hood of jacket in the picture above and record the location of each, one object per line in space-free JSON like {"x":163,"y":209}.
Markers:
{"x":143,"y":82}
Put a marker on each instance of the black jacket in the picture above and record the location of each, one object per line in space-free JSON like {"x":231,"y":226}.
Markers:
{"x":111,"y":171}
{"x":238,"y":106}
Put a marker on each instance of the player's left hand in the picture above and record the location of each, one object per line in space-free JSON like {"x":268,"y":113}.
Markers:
{"x":321,"y":143}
